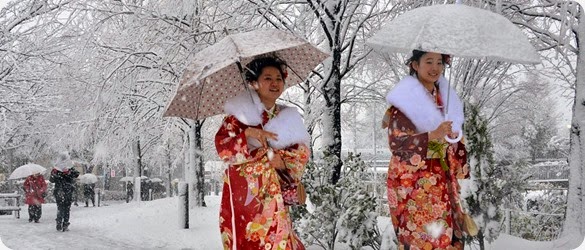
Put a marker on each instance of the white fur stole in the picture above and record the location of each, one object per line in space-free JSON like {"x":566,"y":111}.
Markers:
{"x":288,"y":124}
{"x":412,"y":99}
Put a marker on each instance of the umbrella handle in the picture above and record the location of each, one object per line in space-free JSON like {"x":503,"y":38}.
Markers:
{"x":448,"y":139}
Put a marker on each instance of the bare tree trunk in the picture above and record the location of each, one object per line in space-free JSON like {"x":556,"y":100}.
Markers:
{"x":309,"y":119}
{"x":196,"y":166}
{"x":168,"y":163}
{"x":575,"y":216}
{"x":200,"y":168}
{"x":332,"y":115}
{"x":137,"y":168}
{"x":331,"y":119}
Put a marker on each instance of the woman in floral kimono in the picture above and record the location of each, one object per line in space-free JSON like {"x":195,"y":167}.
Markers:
{"x":261,"y":141}
{"x":424,"y":168}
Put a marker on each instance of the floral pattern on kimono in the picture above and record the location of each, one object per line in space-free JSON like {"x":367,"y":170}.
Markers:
{"x":251,"y":193}
{"x":422,"y":205}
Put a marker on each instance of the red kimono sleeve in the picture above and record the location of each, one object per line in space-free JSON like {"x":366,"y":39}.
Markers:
{"x":402,"y":136}
{"x":457,"y":159}
{"x":231,"y":143}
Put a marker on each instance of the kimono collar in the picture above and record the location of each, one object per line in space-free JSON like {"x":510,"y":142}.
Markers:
{"x":287,"y":123}
{"x":246,"y":107}
{"x":412,"y":99}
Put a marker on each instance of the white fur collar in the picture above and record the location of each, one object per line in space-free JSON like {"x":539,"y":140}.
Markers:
{"x":412,"y":99}
{"x":288,"y":124}
{"x":246,"y":107}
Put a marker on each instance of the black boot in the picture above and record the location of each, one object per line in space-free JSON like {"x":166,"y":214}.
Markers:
{"x":59,"y":226}
{"x":66,"y":226}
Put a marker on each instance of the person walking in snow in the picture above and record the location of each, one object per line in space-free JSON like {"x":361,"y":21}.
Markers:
{"x":422,"y":177}
{"x":129,"y":191}
{"x":254,"y":210}
{"x":35,"y":189}
{"x":76,"y":193}
{"x":89,"y":193}
{"x":63,"y":175}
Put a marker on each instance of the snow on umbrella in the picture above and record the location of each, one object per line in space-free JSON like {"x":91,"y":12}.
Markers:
{"x":26,"y":170}
{"x":63,"y":161}
{"x":156,"y":179}
{"x":88,"y":178}
{"x":214,"y":76}
{"x":457,"y":30}
{"x":127,"y":178}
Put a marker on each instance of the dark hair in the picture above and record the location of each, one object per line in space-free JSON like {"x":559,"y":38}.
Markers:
{"x":255,"y":67}
{"x":417,"y":54}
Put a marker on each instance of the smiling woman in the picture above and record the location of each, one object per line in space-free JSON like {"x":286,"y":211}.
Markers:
{"x":266,"y":147}
{"x":422,"y":177}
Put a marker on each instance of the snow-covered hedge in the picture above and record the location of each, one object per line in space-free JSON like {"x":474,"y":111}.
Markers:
{"x":338,"y":213}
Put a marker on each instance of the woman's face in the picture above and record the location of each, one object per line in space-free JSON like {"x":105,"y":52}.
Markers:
{"x":270,"y":85}
{"x":429,"y":68}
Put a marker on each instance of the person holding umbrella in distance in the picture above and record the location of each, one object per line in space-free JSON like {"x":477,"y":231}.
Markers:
{"x":63,"y":175}
{"x":35,"y":189}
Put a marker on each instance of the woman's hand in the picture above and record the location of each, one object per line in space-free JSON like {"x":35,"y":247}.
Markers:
{"x":261,"y":135}
{"x":277,"y":162}
{"x":453,"y":135}
{"x":442,"y":130}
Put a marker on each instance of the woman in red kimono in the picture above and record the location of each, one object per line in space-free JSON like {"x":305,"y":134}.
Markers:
{"x":35,"y":188}
{"x":423,"y":192}
{"x":258,"y":139}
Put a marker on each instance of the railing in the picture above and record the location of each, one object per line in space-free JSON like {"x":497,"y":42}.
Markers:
{"x":13,"y":201}
{"x":550,"y":230}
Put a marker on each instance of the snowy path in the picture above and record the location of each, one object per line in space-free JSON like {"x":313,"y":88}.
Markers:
{"x":144,"y":225}
{"x":154,"y":224}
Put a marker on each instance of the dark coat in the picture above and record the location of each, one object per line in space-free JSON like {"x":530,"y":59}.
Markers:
{"x":88,"y":190}
{"x":64,"y":184}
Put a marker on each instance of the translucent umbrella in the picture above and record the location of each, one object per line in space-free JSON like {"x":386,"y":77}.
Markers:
{"x":26,"y":170}
{"x":88,"y":178}
{"x":156,"y":179}
{"x":458,"y":30}
{"x":127,"y":178}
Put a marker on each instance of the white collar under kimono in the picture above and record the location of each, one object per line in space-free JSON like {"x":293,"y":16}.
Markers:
{"x":412,"y":99}
{"x":287,"y":124}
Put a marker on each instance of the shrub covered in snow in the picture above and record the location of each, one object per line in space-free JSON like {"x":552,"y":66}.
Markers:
{"x":338,"y":213}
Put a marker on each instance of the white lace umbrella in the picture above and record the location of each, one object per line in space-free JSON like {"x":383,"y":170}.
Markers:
{"x":88,"y":178}
{"x":127,"y":178}
{"x":213,"y":76}
{"x":130,"y":178}
{"x":156,"y":179}
{"x":26,"y":170}
{"x":457,"y":30}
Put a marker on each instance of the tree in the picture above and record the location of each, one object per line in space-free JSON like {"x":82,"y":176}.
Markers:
{"x":341,"y":212}
{"x":30,"y":47}
{"x":559,"y":28}
{"x":488,"y":189}
{"x":341,"y":29}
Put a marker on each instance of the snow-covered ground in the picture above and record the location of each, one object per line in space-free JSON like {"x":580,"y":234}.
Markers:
{"x":144,"y":225}
{"x":152,"y":224}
